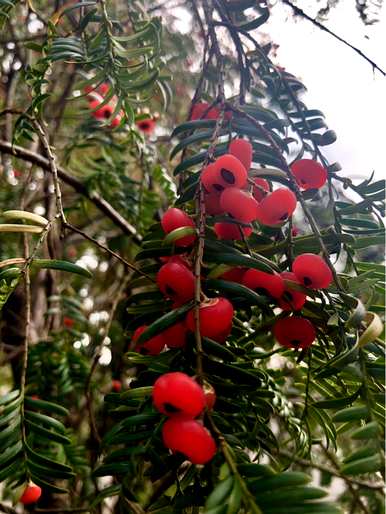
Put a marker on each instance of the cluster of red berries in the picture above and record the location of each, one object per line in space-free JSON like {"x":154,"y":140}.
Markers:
{"x":182,"y":399}
{"x":203,"y":111}
{"x":31,"y":494}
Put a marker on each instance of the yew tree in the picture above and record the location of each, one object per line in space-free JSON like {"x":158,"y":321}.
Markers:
{"x":191,"y":292}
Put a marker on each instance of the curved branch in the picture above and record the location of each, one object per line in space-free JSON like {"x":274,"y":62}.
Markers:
{"x":304,"y":15}
{"x":94,"y":197}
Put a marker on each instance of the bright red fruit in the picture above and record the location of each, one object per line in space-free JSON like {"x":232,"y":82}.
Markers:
{"x":260,"y":188}
{"x":177,"y":394}
{"x":200,"y":108}
{"x":239,"y":204}
{"x":291,"y":300}
{"x":152,"y":346}
{"x":175,"y":218}
{"x":31,"y":494}
{"x":190,"y":438}
{"x":104,"y":88}
{"x":175,"y":336}
{"x":176,"y":281}
{"x":226,"y":171}
{"x":294,"y":332}
{"x":103,"y":112}
{"x":232,"y":231}
{"x":312,"y":271}
{"x":146,"y":126}
{"x":234,"y":275}
{"x":68,"y":322}
{"x":242,"y":150}
{"x":309,"y":174}
{"x":116,"y":385}
{"x":264,"y":283}
{"x":212,"y":204}
{"x":216,"y":317}
{"x":276,"y":207}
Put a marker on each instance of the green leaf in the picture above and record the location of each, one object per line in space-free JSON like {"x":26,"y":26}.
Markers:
{"x":369,"y":431}
{"x":219,"y":493}
{"x":290,"y":495}
{"x":54,"y":408}
{"x":10,"y":453}
{"x":351,"y":414}
{"x":179,"y":233}
{"x":287,"y":479}
{"x":24,"y":215}
{"x":361,"y":466}
{"x":237,"y":290}
{"x":46,"y":421}
{"x":69,"y":267}
{"x":46,"y":434}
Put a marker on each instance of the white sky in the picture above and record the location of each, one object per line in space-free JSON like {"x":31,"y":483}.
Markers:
{"x":340,"y":82}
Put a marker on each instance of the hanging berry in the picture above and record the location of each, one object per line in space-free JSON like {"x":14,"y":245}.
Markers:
{"x":176,"y":282}
{"x":212,"y":204}
{"x":309,"y":174}
{"x":152,"y":346}
{"x":312,"y":271}
{"x":291,"y":299}
{"x":190,"y":438}
{"x":175,"y":336}
{"x":177,"y":394}
{"x":276,"y":207}
{"x":260,"y":188}
{"x":216,"y":317}
{"x":116,"y":385}
{"x":269,"y":284}
{"x":31,"y":494}
{"x":242,"y":150}
{"x":239,"y":204}
{"x":147,"y":126}
{"x":202,"y":110}
{"x":234,"y":275}
{"x":231,"y":231}
{"x":294,"y":332}
{"x":226,"y":171}
{"x":176,"y":218}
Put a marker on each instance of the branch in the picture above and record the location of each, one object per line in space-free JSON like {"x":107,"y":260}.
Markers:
{"x":301,"y":13}
{"x":95,"y":198}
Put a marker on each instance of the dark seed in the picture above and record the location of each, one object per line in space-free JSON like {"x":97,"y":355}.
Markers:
{"x":262,"y":290}
{"x":169,"y":291}
{"x":218,"y":187}
{"x":227,"y":176}
{"x":284,"y":217}
{"x":307,"y":281}
{"x":169,"y":407}
{"x":295,"y":342}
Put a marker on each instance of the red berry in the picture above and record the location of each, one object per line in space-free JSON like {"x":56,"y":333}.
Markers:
{"x":242,"y":150}
{"x":104,"y":88}
{"x":210,"y":395}
{"x":176,"y":281}
{"x":212,"y":204}
{"x":146,"y":126}
{"x":200,"y":108}
{"x":309,"y":174}
{"x":291,"y":300}
{"x":312,"y":271}
{"x":31,"y":494}
{"x":226,"y":171}
{"x":175,"y":336}
{"x":260,"y":188}
{"x":225,"y":230}
{"x":264,"y":283}
{"x":152,"y":346}
{"x":104,"y":112}
{"x":177,"y":394}
{"x":116,"y":121}
{"x":190,"y":438}
{"x":294,"y":332}
{"x":116,"y":385}
{"x":234,"y":275}
{"x":239,"y":204}
{"x":175,"y":218}
{"x":216,"y":317}
{"x":68,"y":322}
{"x":276,"y":207}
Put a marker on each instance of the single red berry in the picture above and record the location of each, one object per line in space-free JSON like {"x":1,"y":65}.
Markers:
{"x":146,"y":126}
{"x":175,"y":336}
{"x":176,"y":218}
{"x":31,"y":494}
{"x":116,"y":120}
{"x":294,"y":332}
{"x":234,"y":275}
{"x":291,"y":299}
{"x":68,"y":322}
{"x":116,"y":385}
{"x":239,"y":204}
{"x":276,"y":207}
{"x":210,"y":395}
{"x":35,"y":397}
{"x":176,"y":281}
{"x":242,"y":150}
{"x":309,"y":174}
{"x":226,"y":171}
{"x":260,"y":188}
{"x":232,"y":231}
{"x":270,"y":284}
{"x":216,"y":317}
{"x":152,"y":346}
{"x":103,"y":113}
{"x":212,"y":204}
{"x":177,"y":394}
{"x":312,"y":271}
{"x":17,"y":173}
{"x":104,"y":88}
{"x":190,"y":438}
{"x":201,"y":110}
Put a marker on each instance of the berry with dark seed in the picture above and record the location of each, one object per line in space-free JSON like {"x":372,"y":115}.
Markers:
{"x":294,"y":332}
{"x":269,"y":284}
{"x":176,"y":281}
{"x":152,"y":346}
{"x":216,"y":317}
{"x":239,"y":204}
{"x":276,"y":207}
{"x":291,"y":300}
{"x":312,"y":271}
{"x":309,"y":174}
{"x":176,"y":218}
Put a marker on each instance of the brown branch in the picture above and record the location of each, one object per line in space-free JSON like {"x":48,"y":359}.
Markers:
{"x":99,"y":202}
{"x":300,"y":12}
